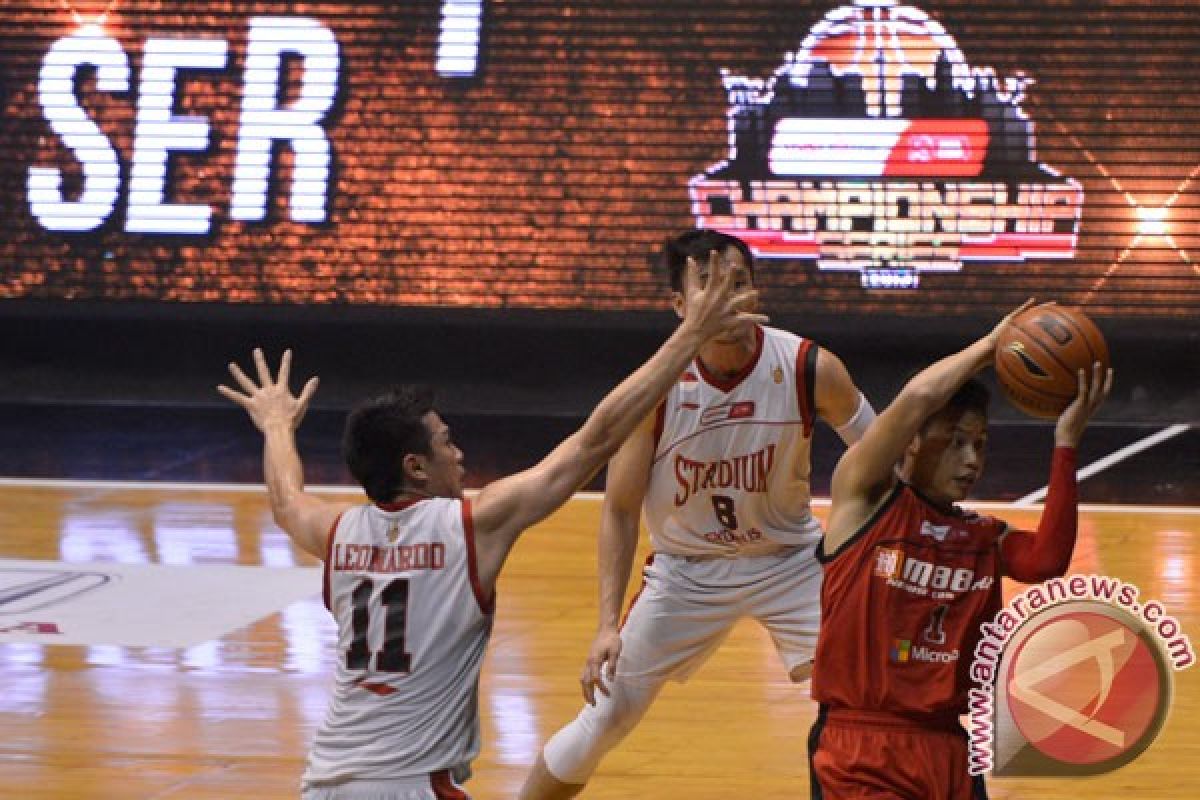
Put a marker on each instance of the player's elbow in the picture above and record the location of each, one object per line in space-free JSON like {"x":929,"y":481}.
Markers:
{"x":597,"y":443}
{"x":286,"y":516}
{"x":921,"y":396}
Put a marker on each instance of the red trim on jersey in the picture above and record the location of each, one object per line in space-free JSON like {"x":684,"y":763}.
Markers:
{"x":806,"y":373}
{"x":732,"y":383}
{"x":660,"y":422}
{"x":444,"y":787}
{"x":400,"y":506}
{"x":486,"y":604}
{"x":381,"y":689}
{"x":628,"y":611}
{"x":326,"y":592}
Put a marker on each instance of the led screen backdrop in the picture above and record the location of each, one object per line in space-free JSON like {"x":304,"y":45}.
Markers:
{"x":942,"y":157}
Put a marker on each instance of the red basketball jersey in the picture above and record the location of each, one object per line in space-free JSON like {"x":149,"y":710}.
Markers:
{"x":901,"y":607}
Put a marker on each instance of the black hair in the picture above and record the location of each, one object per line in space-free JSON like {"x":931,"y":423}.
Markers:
{"x":380,"y":432}
{"x":971,"y":396}
{"x":697,"y":245}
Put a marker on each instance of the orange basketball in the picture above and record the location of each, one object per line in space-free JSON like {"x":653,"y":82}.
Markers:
{"x":1039,"y":354}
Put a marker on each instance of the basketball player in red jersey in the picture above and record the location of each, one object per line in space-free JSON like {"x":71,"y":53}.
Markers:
{"x":721,"y":473}
{"x":914,"y":576}
{"x":410,"y":576}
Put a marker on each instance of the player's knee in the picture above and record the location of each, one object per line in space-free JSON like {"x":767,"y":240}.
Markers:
{"x":616,"y":718}
{"x":574,"y":752}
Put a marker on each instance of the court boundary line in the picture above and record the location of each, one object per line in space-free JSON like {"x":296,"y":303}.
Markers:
{"x":1115,"y":457}
{"x":819,"y":502}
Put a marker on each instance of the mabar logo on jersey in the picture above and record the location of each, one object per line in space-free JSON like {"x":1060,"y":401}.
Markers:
{"x":877,"y":148}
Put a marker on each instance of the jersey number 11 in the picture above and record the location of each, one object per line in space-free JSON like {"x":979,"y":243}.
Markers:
{"x":393,"y":657}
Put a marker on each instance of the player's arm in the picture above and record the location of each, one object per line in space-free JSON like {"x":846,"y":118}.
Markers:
{"x":505,"y":508}
{"x":866,"y":471}
{"x":1035,"y":557}
{"x":839,"y":401}
{"x":625,"y":489}
{"x":276,"y":412}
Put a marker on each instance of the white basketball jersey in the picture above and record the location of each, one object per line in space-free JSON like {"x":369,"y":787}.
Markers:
{"x":731,"y":460}
{"x":402,"y":583}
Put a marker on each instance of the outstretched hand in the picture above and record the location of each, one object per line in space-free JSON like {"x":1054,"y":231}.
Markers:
{"x":269,"y":402}
{"x":718,"y":307}
{"x":1089,"y":397}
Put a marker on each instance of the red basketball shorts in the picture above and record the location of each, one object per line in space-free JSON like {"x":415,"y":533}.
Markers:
{"x":859,"y":754}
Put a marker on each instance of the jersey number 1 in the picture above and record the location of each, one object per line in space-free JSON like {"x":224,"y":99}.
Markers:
{"x":393,"y":657}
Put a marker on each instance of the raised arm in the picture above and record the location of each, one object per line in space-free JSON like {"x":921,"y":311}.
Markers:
{"x":1034,"y":557}
{"x":505,"y":508}
{"x":839,"y":401}
{"x":620,"y":518}
{"x":866,"y":471}
{"x":276,"y":412}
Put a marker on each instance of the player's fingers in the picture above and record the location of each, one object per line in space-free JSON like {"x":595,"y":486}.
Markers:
{"x":691,"y":276}
{"x":611,"y":665}
{"x":746,"y":316}
{"x":602,"y":686}
{"x":285,"y":368}
{"x":240,"y":377}
{"x":1095,"y":382}
{"x":718,"y":275}
{"x":307,"y":392}
{"x":586,"y":683}
{"x":260,"y":363}
{"x":236,"y":397}
{"x":1101,"y":384}
{"x":746,"y":299}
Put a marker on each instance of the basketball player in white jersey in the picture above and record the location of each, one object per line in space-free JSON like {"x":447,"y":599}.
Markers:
{"x":721,"y":472}
{"x":410,"y":576}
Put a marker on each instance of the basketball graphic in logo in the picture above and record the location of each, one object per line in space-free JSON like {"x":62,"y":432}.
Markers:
{"x":876,"y":147}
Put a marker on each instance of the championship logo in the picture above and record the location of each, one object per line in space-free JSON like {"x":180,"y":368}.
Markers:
{"x":877,"y":148}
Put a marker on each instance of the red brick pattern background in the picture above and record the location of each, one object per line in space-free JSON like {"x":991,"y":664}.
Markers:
{"x":546,"y":181}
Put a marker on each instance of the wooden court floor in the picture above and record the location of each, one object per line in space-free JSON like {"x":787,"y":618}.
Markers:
{"x":231,"y":718}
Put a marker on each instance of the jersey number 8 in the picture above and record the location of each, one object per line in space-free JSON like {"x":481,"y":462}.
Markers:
{"x":723,"y":508}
